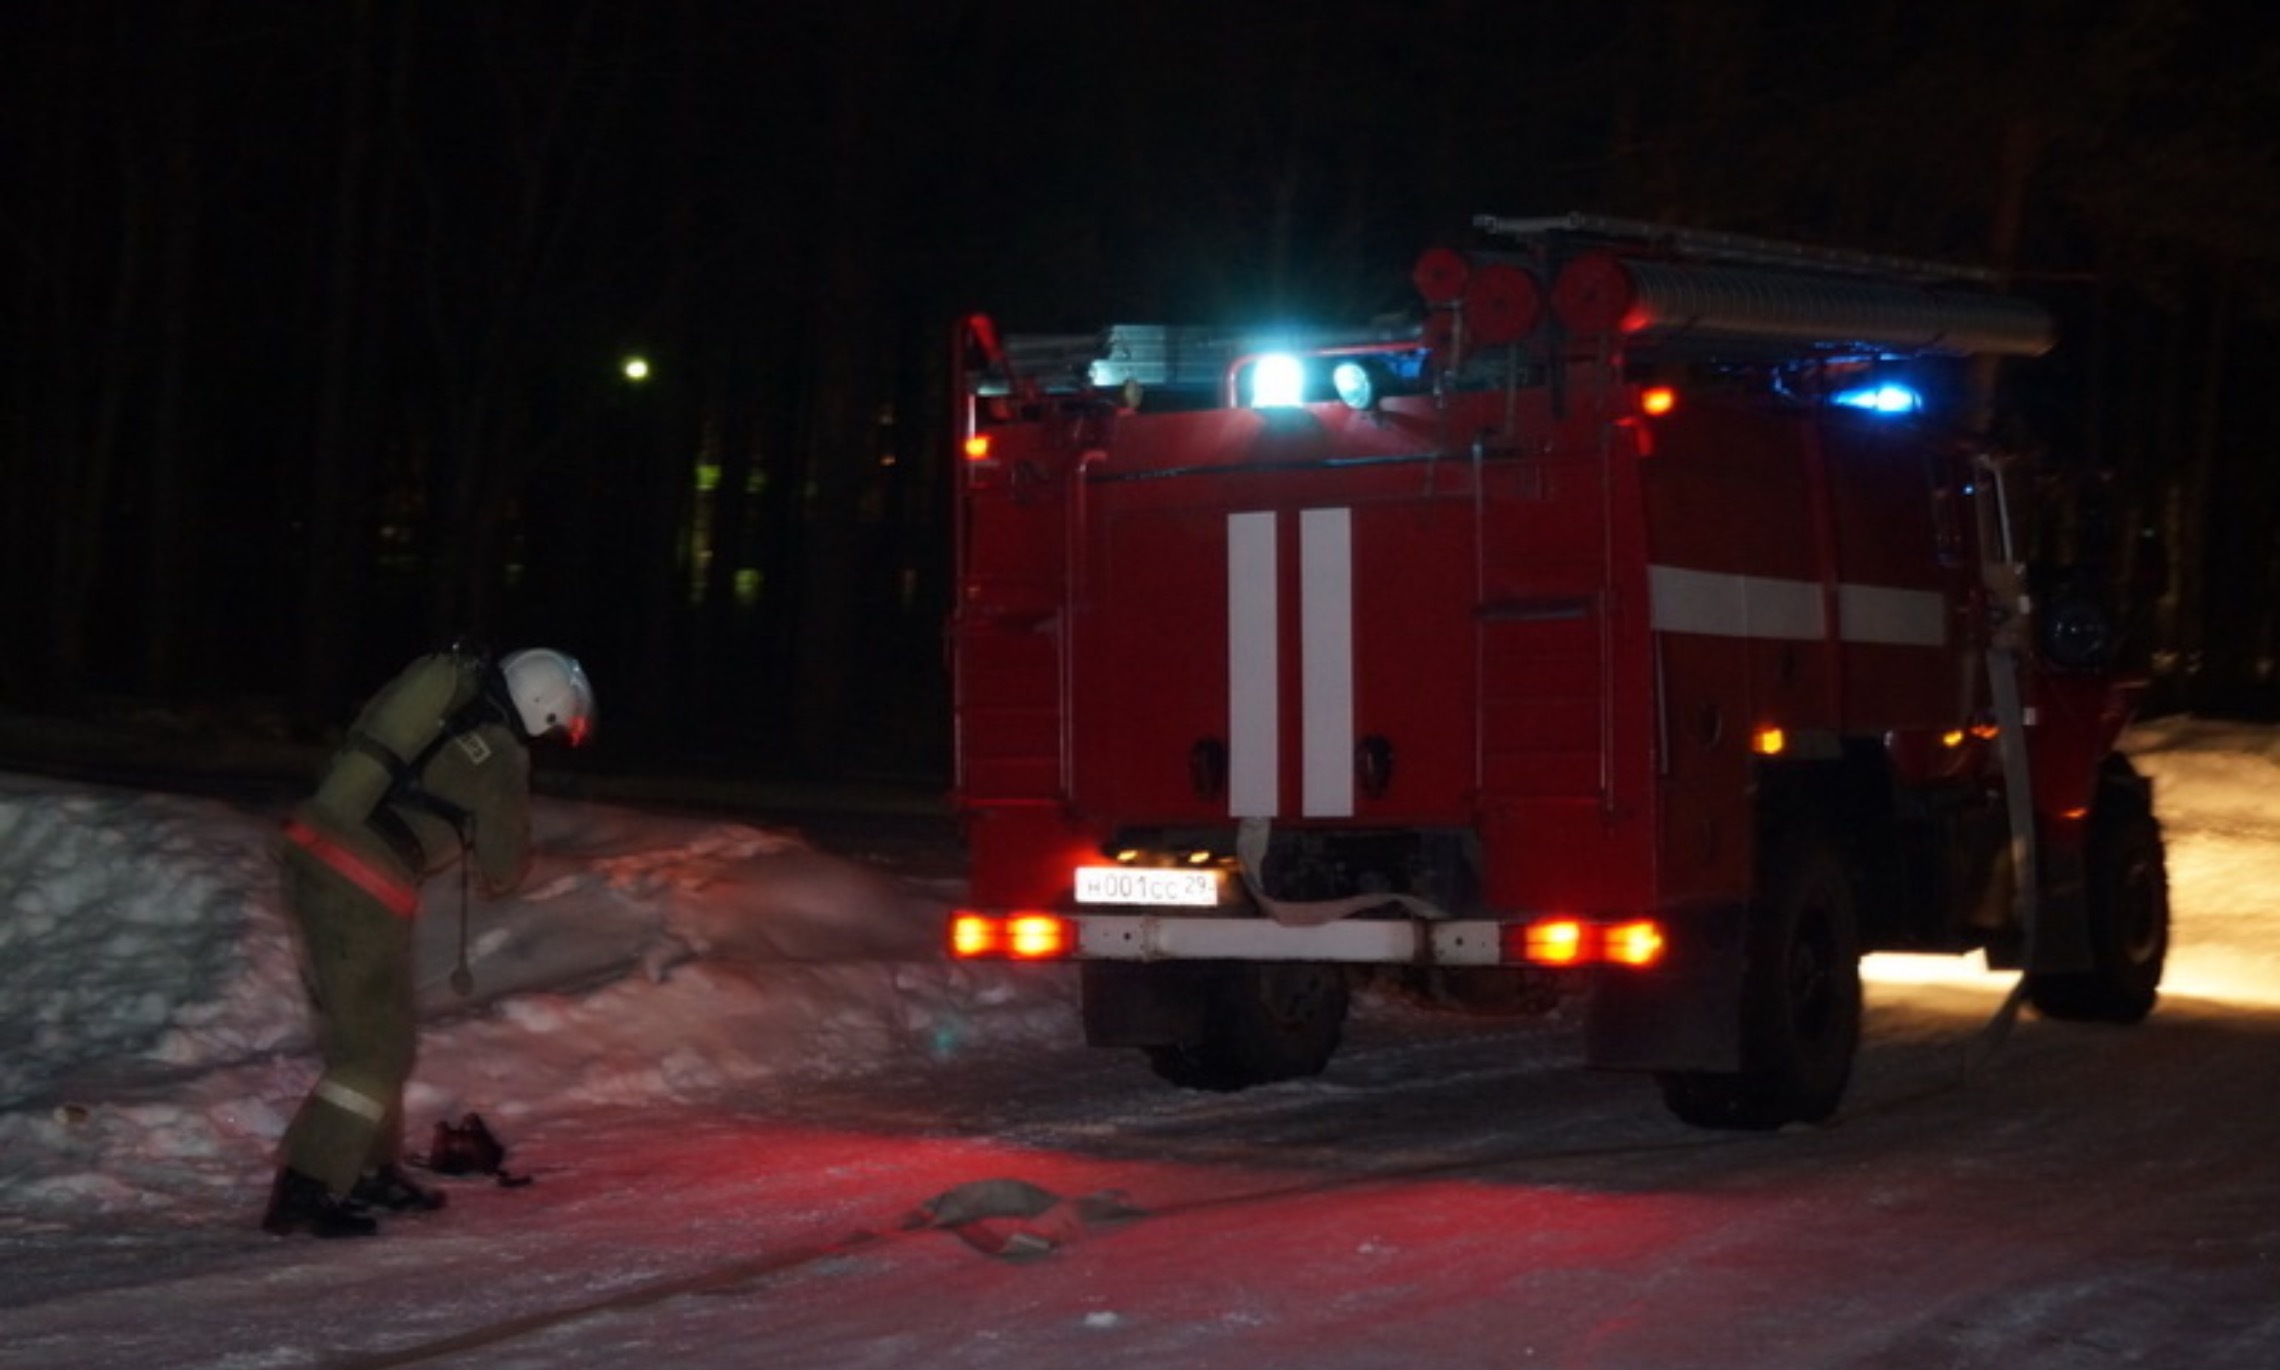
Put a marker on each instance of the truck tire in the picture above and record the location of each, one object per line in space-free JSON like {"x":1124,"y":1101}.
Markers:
{"x":1801,"y":1005}
{"x":2126,"y":903}
{"x":1265,"y":1022}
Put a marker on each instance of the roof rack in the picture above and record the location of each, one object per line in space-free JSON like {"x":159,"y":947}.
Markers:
{"x":1192,"y":356}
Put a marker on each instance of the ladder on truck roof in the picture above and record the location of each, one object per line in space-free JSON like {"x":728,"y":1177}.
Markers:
{"x":1737,"y":249}
{"x":1705,"y":294}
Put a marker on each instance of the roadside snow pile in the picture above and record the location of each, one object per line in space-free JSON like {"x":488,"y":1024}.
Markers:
{"x":155,"y":1037}
{"x":2213,"y":786}
{"x":2211,"y":774}
{"x":135,"y":925}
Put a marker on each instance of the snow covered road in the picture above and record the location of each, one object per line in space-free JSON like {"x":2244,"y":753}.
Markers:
{"x":736,"y":1071}
{"x":1445,"y":1195}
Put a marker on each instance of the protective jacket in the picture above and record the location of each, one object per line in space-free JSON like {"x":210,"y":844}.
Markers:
{"x":432,"y":769}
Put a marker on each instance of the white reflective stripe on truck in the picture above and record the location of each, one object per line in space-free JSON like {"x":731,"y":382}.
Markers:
{"x":1721,"y":604}
{"x":1326,"y":645}
{"x":1325,"y":666}
{"x":1254,"y":685}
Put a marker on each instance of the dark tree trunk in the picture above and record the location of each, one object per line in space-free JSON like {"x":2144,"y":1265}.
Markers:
{"x":100,"y":379}
{"x":840,"y":431}
{"x":337,"y":528}
{"x":172,"y":584}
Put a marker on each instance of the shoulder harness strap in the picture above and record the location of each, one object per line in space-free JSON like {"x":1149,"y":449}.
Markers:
{"x":404,"y":782}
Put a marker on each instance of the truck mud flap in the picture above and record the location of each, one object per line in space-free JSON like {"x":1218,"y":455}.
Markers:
{"x":1685,"y":1017}
{"x":1146,"y":1004}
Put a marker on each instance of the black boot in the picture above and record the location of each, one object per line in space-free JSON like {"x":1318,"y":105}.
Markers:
{"x":390,"y":1188}
{"x":299,"y":1203}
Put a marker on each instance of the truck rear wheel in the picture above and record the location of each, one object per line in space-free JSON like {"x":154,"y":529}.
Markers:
{"x":1801,"y":1005}
{"x":1264,"y":1022}
{"x":2126,"y":900}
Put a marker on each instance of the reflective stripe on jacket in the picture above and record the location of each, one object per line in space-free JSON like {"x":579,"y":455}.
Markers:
{"x":398,"y":896}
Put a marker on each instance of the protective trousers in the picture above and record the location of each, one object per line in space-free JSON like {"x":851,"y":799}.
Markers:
{"x":359,"y":960}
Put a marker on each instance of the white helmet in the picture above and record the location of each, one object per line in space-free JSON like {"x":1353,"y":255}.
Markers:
{"x":550,"y":693}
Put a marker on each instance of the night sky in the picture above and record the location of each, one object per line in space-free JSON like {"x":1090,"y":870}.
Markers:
{"x":318,"y":309}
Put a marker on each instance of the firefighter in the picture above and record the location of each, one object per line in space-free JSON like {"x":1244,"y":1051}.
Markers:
{"x":435,"y":771}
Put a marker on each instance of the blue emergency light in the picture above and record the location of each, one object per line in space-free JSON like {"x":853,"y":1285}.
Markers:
{"x":1885,"y":397}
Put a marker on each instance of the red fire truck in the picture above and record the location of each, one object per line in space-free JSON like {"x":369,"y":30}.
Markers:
{"x":1638,"y":617}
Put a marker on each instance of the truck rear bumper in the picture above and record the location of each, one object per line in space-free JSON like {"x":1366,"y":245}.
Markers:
{"x":1393,"y":941}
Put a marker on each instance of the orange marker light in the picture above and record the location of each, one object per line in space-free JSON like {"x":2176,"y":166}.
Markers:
{"x":1556,"y":942}
{"x":1637,"y":944}
{"x":978,"y":447}
{"x":972,"y":934}
{"x":1019,"y":936}
{"x":1657,"y":400}
{"x":1035,"y":937}
{"x":1768,"y":741}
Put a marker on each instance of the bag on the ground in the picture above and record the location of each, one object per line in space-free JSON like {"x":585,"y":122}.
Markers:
{"x":468,"y":1147}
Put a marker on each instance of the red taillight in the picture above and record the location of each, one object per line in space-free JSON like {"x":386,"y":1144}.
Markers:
{"x":1635,"y":943}
{"x":1016,"y":936}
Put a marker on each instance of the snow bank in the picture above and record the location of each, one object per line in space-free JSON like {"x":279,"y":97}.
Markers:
{"x":156,"y":1037}
{"x":136,"y":926}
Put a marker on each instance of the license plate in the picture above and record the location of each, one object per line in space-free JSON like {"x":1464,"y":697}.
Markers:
{"x":1149,"y":885}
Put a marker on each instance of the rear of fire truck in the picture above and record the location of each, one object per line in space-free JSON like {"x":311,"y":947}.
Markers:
{"x":1636,"y":620}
